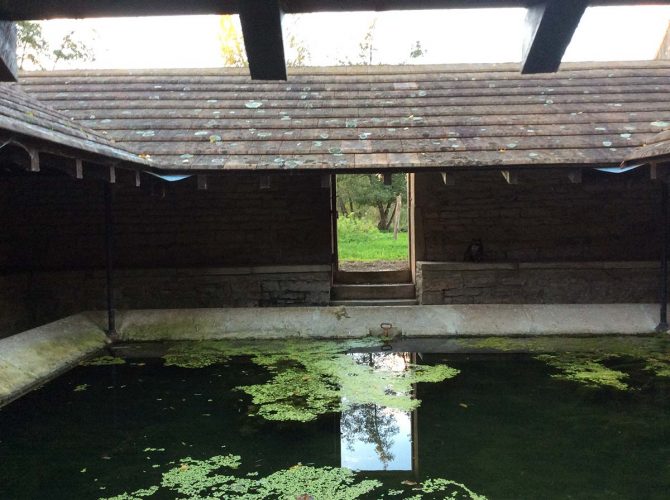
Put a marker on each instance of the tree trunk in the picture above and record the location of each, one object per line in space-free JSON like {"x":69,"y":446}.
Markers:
{"x":384,"y":219}
{"x":341,"y":206}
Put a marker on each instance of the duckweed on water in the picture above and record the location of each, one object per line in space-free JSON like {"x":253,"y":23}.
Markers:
{"x":311,"y":378}
{"x":217,"y":477}
{"x":585,"y":370}
{"x":104,"y":361}
{"x":581,"y":358}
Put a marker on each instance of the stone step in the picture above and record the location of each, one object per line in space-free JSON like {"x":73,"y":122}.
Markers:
{"x":389,"y":291}
{"x":373,"y":302}
{"x":372,"y":277}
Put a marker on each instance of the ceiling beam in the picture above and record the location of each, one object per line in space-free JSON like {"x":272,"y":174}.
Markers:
{"x":549,"y":29}
{"x":263,"y":41}
{"x":42,"y":9}
{"x":8,"y":65}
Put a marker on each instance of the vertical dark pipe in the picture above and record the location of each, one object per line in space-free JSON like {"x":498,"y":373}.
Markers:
{"x":663,"y":324}
{"x":109,"y":260}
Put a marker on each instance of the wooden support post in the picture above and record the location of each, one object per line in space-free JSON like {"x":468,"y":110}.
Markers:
{"x":202,"y":182}
{"x":575,"y":176}
{"x":663,"y":291}
{"x":262,"y":31}
{"x":265,"y":182}
{"x":34,"y":159}
{"x":325,"y":181}
{"x":448,"y":179}
{"x":658,"y":172}
{"x":109,"y":261}
{"x":8,"y":65}
{"x":549,"y":29}
{"x":388,"y":179}
{"x":78,"y":169}
{"x":510,"y":176}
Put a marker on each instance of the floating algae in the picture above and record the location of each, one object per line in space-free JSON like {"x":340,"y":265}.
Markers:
{"x":311,"y":378}
{"x":218,"y":477}
{"x":586,"y":370}
{"x":104,"y":361}
{"x":652,"y":352}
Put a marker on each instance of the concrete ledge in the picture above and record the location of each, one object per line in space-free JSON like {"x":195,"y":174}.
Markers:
{"x":411,"y":321}
{"x":31,"y":358}
{"x":512,"y":266}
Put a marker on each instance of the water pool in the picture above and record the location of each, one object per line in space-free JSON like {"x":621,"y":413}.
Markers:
{"x":279,"y":424}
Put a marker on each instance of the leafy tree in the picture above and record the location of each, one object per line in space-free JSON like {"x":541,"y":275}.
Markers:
{"x":233,"y":51}
{"x":357,"y":192}
{"x":366,"y":49}
{"x":71,"y":49}
{"x":232,"y":43}
{"x":417,"y":50}
{"x":33,"y":51}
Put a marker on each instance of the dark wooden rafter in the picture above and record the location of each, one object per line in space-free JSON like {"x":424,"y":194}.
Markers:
{"x":41,"y":9}
{"x":262,"y":30}
{"x":550,"y":26}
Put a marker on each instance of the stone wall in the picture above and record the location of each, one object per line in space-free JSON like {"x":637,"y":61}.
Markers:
{"x":543,"y":218}
{"x":537,"y":283}
{"x":54,"y":222}
{"x":31,"y":299}
{"x":234,"y":244}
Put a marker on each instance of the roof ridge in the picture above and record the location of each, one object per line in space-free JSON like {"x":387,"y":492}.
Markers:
{"x":376,"y":69}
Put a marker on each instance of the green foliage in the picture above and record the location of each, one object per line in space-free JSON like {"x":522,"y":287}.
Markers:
{"x":359,"y":240}
{"x":350,"y":225}
{"x":312,"y":378}
{"x":417,"y":50}
{"x":34,"y":52}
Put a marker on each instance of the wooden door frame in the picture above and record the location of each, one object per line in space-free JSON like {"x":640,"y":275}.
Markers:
{"x":334,"y":214}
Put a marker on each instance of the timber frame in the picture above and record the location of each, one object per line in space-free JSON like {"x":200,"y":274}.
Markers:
{"x":550,"y":24}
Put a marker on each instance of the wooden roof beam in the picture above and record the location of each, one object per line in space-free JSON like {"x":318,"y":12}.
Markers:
{"x":262,"y":31}
{"x":42,"y":9}
{"x":8,"y":65}
{"x":550,"y":26}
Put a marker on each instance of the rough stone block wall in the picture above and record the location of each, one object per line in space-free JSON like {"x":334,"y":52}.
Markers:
{"x":543,"y":218}
{"x":182,"y":248}
{"x":53,"y":222}
{"x":32,"y":299}
{"x":537,"y":283}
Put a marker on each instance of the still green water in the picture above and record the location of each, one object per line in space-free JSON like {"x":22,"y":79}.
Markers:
{"x":503,"y":427}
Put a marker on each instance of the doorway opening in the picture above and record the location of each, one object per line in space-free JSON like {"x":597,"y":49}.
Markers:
{"x":371,"y":226}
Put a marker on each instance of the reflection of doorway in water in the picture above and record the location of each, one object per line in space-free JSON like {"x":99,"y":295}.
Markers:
{"x":374,"y":437}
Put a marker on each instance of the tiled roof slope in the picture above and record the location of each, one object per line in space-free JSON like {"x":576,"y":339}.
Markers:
{"x":24,"y":115}
{"x":370,"y":117}
{"x":658,"y":149}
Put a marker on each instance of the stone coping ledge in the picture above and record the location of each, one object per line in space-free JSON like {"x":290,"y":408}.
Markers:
{"x":513,"y":266}
{"x":32,"y":358}
{"x":187,"y":271}
{"x":410,"y":321}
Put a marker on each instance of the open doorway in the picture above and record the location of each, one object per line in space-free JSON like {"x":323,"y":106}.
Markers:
{"x":372,"y":225}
